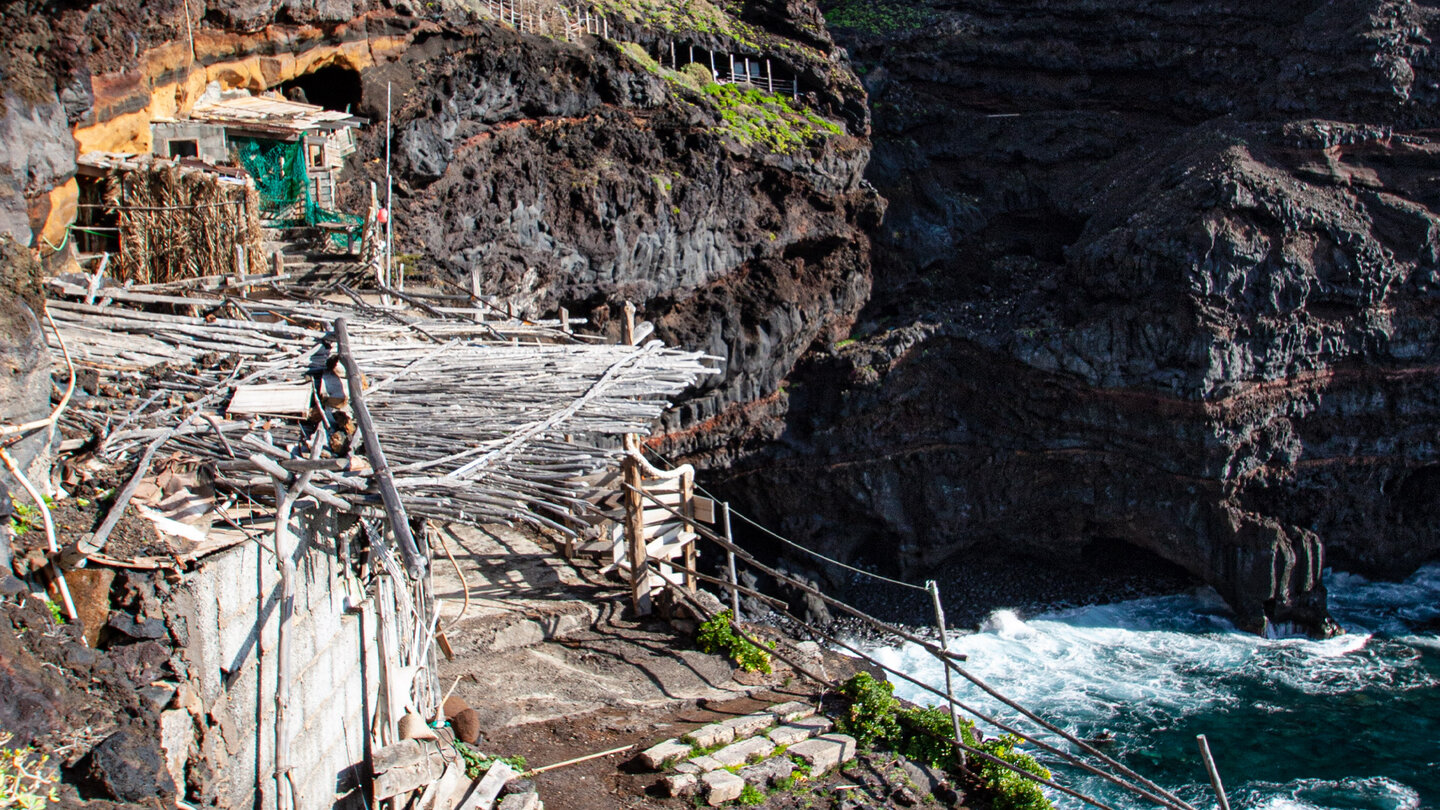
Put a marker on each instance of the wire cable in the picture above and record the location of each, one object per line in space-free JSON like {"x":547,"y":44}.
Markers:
{"x":791,"y":543}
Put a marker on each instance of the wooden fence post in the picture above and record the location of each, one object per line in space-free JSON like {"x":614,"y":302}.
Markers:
{"x":1213,"y":771}
{"x":634,"y":501}
{"x":730,"y":560}
{"x":934,"y":590}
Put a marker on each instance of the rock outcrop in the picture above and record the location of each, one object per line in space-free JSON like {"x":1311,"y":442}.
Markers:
{"x":583,"y":175}
{"x":1152,"y":273}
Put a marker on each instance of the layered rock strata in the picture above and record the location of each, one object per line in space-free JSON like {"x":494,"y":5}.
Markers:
{"x":1151,"y":273}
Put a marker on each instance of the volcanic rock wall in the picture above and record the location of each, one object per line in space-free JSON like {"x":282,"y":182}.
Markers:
{"x":582,"y":175}
{"x":1155,"y":273}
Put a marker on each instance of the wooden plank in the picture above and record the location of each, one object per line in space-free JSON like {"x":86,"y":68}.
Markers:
{"x":280,"y":399}
{"x":406,"y":766}
{"x":704,"y":509}
{"x":482,"y":795}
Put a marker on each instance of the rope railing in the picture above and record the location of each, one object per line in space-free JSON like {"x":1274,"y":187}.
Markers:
{"x":1141,"y":786}
{"x":791,"y":543}
{"x":833,"y":684}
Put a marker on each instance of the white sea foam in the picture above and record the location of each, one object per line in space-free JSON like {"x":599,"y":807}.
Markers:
{"x":1138,"y":668}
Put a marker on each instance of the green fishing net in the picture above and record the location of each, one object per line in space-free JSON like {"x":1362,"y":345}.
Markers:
{"x":283,"y":182}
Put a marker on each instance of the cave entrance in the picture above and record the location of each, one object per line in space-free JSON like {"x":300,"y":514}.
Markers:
{"x":1121,"y":560}
{"x":334,"y":87}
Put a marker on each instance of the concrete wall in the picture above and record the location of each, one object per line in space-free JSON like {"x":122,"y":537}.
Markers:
{"x":231,"y":604}
{"x":209,"y":139}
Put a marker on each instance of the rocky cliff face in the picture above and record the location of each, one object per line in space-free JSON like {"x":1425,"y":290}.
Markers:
{"x":1155,"y":273}
{"x":586,"y":175}
{"x":579,"y":173}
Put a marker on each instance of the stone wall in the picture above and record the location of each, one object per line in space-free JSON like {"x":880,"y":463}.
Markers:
{"x":231,"y":605}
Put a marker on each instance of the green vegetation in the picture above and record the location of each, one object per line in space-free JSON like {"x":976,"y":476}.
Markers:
{"x":56,"y":612}
{"x":753,"y":116}
{"x":875,"y":718}
{"x":872,"y":716}
{"x":27,"y":780}
{"x":877,"y":16}
{"x":476,"y":763}
{"x":26,"y":517}
{"x":750,"y":796}
{"x":699,"y":16}
{"x":716,"y":636}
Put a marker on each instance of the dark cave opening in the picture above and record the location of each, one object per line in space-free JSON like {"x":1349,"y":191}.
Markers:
{"x":334,"y":87}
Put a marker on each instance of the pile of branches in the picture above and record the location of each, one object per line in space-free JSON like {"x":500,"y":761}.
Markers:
{"x":178,"y":222}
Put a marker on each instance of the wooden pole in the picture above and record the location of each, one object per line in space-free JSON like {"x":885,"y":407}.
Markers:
{"x":1213,"y":771}
{"x":934,"y":590}
{"x":687,"y":496}
{"x":635,"y":529}
{"x":769,"y":77}
{"x":399,"y":522}
{"x":564,"y":320}
{"x":634,"y":503}
{"x":389,"y":197}
{"x":730,"y":561}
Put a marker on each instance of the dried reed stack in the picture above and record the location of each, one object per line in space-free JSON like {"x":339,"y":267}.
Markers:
{"x":177,"y":223}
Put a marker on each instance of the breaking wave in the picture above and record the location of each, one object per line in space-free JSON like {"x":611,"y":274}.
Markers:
{"x":1350,"y":723}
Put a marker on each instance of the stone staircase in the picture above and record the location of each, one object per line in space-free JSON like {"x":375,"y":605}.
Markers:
{"x":304,"y":261}
{"x":714,"y":763}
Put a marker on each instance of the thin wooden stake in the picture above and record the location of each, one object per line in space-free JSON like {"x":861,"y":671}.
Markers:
{"x":934,"y":590}
{"x":1213,"y":771}
{"x":399,"y":522}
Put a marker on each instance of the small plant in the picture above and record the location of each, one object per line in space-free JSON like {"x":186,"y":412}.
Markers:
{"x":55,"y":612}
{"x":476,"y":763}
{"x":24,"y":518}
{"x":27,"y":782}
{"x":717,"y":637}
{"x":750,"y":796}
{"x":876,"y":718}
{"x":871,"y":719}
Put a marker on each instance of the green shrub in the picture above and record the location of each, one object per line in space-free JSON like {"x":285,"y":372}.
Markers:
{"x":1010,"y":790}
{"x":27,"y":780}
{"x":871,"y":719}
{"x":927,"y":735}
{"x":717,"y":637}
{"x":876,"y":16}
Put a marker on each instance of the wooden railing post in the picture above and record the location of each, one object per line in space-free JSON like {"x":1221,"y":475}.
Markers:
{"x":687,"y":497}
{"x":635,"y":529}
{"x":634,"y":501}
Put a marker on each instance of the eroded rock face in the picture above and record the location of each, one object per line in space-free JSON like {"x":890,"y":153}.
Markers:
{"x":1151,"y":272}
{"x":566,"y":175}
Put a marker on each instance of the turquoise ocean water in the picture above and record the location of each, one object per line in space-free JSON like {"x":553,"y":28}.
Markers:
{"x":1352,"y":722}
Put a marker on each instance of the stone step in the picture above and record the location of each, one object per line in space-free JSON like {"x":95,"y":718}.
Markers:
{"x":800,"y":730}
{"x":824,"y":752}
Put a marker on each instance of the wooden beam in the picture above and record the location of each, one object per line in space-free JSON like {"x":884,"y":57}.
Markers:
{"x":394,"y":508}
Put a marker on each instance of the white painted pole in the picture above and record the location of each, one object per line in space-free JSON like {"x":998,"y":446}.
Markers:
{"x":730,"y":561}
{"x":769,"y":77}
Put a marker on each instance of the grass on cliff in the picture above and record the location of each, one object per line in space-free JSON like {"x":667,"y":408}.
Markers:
{"x":754,"y":117}
{"x":876,"y":719}
{"x":876,"y":16}
{"x":699,"y":16}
